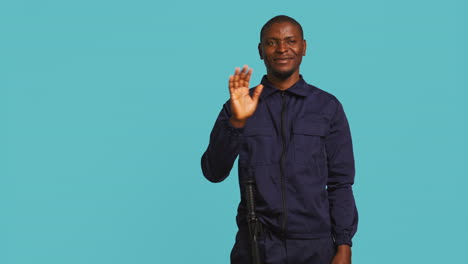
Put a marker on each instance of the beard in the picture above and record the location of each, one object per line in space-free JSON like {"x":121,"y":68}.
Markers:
{"x":282,"y":75}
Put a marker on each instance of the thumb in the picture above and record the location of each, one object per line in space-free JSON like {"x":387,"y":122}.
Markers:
{"x":256,"y":94}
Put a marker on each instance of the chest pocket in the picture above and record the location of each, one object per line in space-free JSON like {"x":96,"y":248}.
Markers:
{"x":259,"y":146}
{"x":309,"y":141}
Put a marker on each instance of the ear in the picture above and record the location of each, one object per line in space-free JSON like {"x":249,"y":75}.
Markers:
{"x":305,"y":47}
{"x":260,"y":51}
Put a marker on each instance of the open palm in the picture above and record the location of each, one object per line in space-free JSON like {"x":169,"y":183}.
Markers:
{"x":242,"y":104}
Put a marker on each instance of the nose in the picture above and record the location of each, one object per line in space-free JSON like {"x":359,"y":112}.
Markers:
{"x":281,"y":47}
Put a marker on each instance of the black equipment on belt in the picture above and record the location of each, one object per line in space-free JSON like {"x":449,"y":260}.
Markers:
{"x":255,"y":226}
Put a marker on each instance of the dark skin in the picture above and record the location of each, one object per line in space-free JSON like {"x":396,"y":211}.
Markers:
{"x":282,"y":49}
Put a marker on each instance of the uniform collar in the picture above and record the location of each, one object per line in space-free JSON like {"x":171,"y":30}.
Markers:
{"x":300,"y":88}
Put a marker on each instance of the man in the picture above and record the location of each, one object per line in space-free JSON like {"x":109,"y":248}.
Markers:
{"x":294,"y":141}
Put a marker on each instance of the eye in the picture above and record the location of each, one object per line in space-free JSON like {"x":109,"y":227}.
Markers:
{"x":271,"y":43}
{"x":291,"y":41}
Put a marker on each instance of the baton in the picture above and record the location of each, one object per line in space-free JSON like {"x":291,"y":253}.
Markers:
{"x":252,"y":220}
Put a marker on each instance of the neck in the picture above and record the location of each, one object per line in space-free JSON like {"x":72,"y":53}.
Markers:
{"x":283,"y":84}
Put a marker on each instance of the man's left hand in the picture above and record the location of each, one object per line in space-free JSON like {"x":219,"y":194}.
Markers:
{"x":343,"y":255}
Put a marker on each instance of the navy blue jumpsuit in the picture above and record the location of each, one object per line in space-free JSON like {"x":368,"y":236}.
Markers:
{"x":297,"y":147}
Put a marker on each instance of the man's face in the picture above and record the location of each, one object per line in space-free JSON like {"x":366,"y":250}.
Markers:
{"x":281,"y":49}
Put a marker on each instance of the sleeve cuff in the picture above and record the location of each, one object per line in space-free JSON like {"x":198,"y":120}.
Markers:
{"x":234,"y":131}
{"x":343,"y":239}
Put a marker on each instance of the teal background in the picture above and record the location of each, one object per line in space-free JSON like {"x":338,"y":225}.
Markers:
{"x":106,"y":108}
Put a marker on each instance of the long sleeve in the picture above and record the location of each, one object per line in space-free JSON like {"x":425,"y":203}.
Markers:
{"x":225,"y":142}
{"x":341,"y":172}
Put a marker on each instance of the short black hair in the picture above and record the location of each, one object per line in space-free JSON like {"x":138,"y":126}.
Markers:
{"x":280,"y":19}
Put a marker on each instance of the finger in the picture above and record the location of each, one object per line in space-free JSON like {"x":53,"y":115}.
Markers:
{"x":257,"y":92}
{"x":231,"y":82}
{"x":246,"y":78}
{"x":249,"y":74}
{"x":244,"y":69}
{"x":243,"y":74}
{"x":236,"y":77}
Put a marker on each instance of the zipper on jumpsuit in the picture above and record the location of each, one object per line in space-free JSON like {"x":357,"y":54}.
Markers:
{"x":282,"y":176}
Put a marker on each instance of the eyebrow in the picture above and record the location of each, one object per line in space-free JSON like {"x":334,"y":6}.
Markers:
{"x":288,"y":37}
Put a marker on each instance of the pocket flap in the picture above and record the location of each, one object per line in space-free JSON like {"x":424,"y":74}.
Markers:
{"x":258,"y":131}
{"x":311,"y":128}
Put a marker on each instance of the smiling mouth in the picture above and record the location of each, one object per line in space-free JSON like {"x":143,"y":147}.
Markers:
{"x":282,"y":60}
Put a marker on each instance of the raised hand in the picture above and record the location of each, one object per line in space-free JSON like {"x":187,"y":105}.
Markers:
{"x":242,"y":104}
